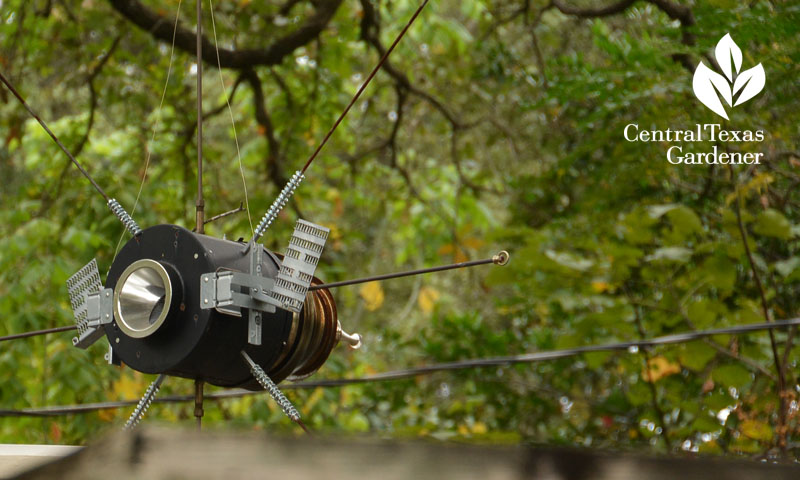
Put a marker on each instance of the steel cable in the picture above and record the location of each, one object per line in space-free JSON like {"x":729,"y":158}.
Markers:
{"x":533,"y":357}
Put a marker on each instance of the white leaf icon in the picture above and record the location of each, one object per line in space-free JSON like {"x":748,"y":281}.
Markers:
{"x":727,"y":48}
{"x":753,"y":82}
{"x":704,"y":83}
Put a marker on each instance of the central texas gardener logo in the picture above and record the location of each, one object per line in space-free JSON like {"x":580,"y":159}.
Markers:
{"x":709,"y":85}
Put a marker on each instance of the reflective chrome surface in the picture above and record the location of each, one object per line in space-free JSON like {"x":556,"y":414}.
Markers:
{"x":142,"y":298}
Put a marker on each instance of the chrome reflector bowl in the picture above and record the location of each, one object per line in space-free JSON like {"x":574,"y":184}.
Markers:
{"x":142,"y":298}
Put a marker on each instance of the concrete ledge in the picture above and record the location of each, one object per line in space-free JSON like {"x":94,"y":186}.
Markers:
{"x":162,"y":454}
{"x":15,"y":459}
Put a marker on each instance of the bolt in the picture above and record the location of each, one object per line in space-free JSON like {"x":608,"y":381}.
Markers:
{"x":205,"y":300}
{"x":205,"y":279}
{"x":108,"y":294}
{"x":108,"y":315}
{"x":195,"y":256}
{"x":117,"y":340}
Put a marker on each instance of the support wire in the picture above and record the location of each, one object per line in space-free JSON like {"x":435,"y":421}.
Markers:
{"x":233,"y":122}
{"x":534,"y":357}
{"x":53,"y":136}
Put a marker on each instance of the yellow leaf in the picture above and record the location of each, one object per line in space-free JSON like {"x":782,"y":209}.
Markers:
{"x":460,"y":256}
{"x":473,"y":242}
{"x":756,"y":430}
{"x":427,"y":298}
{"x":107,"y":415}
{"x":479,"y":428}
{"x":658,"y":368}
{"x":446,"y":249}
{"x":372,"y":293}
{"x":599,"y":287}
{"x":313,"y":399}
{"x":129,"y":386}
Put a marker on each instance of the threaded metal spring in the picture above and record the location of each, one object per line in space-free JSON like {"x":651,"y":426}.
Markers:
{"x":124,"y":217}
{"x":273,"y":390}
{"x":278,"y":204}
{"x":144,"y":403}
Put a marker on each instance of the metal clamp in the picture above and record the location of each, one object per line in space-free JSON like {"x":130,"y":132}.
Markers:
{"x":99,"y":307}
{"x":224,"y":289}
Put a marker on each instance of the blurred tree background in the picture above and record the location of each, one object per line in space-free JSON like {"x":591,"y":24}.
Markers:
{"x":495,"y":124}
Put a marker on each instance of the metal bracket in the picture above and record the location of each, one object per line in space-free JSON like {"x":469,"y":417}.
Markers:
{"x":258,"y":294}
{"x":299,"y":264}
{"x":99,"y":308}
{"x":254,"y":316}
{"x":226,"y":288}
{"x":91,"y":304}
{"x":242,"y":291}
{"x":111,"y":357}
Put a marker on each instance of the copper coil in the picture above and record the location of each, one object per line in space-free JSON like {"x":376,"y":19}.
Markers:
{"x":312,"y":338}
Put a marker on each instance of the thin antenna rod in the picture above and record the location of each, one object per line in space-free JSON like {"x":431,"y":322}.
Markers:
{"x":364,"y":86}
{"x":501,"y":258}
{"x":38,"y":332}
{"x":53,"y":136}
{"x":200,"y":204}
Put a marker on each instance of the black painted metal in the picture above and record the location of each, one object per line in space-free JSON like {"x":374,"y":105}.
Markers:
{"x":196,"y":343}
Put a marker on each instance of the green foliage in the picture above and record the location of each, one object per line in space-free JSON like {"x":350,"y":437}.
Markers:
{"x":608,"y":240}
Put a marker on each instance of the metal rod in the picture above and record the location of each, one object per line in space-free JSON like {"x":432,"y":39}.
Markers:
{"x":38,"y":332}
{"x":200,"y":203}
{"x":225,"y":214}
{"x":198,"y":402}
{"x":53,"y":136}
{"x":363,"y":86}
{"x":501,"y":258}
{"x":533,"y":357}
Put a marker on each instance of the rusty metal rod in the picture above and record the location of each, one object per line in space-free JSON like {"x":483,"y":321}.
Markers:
{"x":363,"y":86}
{"x":200,"y":204}
{"x":501,"y":258}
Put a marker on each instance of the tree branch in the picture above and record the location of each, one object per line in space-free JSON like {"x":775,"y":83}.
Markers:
{"x":592,"y":12}
{"x":673,"y":10}
{"x":273,"y":164}
{"x":161,"y":29}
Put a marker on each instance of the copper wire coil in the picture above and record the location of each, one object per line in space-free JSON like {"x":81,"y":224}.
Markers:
{"x":313,"y":337}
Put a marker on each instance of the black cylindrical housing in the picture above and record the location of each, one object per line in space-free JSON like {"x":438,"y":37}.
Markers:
{"x":193,"y":342}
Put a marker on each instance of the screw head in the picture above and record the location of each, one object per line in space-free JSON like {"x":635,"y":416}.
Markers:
{"x":205,"y":300}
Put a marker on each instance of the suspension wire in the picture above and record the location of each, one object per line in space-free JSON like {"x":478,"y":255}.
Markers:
{"x":533,"y":357}
{"x":291,"y":186}
{"x":233,"y":122}
{"x":53,"y":136}
{"x":149,"y":145}
{"x":35,"y":333}
{"x":501,"y":258}
{"x":363,"y":86}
